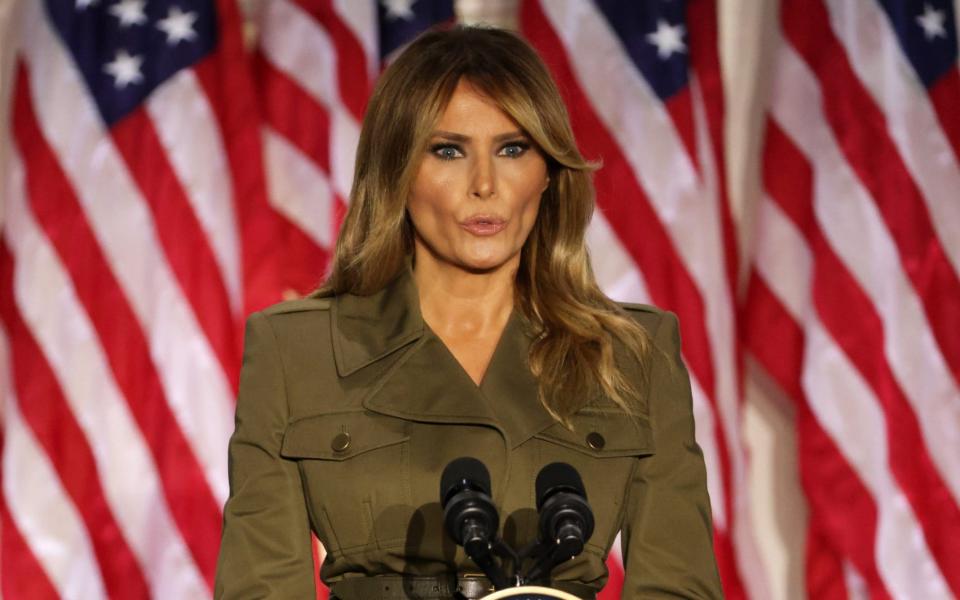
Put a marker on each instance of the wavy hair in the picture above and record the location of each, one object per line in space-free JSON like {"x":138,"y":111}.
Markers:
{"x":575,"y":325}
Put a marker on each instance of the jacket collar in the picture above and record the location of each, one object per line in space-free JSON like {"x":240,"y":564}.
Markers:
{"x":368,"y":328}
{"x":426,"y":383}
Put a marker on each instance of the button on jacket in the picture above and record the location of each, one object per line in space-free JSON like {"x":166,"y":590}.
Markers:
{"x":350,"y":407}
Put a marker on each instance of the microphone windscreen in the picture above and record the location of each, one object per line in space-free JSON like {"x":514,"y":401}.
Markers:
{"x":557,"y":477}
{"x":465,"y":472}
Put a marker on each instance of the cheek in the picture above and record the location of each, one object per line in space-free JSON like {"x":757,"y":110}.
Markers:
{"x":528,"y":212}
{"x":528,"y":186}
{"x":429,"y":198}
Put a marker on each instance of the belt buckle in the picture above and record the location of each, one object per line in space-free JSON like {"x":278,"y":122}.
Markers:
{"x":471,"y":586}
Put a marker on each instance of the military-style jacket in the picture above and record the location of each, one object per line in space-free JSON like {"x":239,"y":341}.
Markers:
{"x":350,"y":407}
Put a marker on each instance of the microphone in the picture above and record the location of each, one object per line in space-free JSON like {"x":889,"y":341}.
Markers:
{"x":469,"y":515}
{"x":566,"y":520}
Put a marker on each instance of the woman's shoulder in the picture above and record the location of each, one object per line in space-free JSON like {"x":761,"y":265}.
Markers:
{"x":636,"y":307}
{"x":661,"y":325}
{"x":307,"y":304}
{"x":648,"y":316}
{"x":288,"y":320}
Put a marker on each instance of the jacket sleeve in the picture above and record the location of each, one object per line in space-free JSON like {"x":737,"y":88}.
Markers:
{"x":666,"y":538}
{"x":265,"y":549}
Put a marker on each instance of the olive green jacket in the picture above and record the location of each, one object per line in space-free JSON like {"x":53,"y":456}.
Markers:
{"x":350,"y":407}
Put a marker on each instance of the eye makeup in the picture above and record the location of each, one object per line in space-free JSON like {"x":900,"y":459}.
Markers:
{"x":449,"y":150}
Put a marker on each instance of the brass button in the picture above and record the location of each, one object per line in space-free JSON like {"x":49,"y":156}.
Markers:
{"x":596,"y":441}
{"x":341,"y":442}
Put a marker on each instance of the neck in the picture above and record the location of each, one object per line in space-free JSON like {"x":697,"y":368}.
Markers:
{"x":461,"y":303}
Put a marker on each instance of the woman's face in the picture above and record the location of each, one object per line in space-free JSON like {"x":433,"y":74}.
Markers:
{"x":476,"y":195}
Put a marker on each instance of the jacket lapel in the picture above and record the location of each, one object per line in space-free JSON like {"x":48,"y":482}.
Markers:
{"x":368,"y":328}
{"x":511,"y":388}
{"x":426,"y":383}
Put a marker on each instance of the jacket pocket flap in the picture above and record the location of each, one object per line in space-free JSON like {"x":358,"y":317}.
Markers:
{"x":339,"y":436}
{"x":604,"y":434}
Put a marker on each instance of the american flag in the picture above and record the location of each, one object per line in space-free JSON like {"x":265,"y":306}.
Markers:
{"x":155,"y":167}
{"x":315,"y":65}
{"x":642,"y":82}
{"x":854,"y":295}
{"x":134,"y":239}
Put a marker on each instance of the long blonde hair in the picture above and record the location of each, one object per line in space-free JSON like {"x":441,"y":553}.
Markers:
{"x":575,"y":324}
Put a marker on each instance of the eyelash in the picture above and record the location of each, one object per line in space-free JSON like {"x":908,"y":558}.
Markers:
{"x":523,"y":147}
{"x":436,"y":150}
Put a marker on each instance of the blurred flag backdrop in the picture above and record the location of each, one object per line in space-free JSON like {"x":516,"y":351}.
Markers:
{"x":854,"y":296}
{"x":136,"y":235}
{"x":163,"y":181}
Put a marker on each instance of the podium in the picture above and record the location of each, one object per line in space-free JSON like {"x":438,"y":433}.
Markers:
{"x":529,"y":592}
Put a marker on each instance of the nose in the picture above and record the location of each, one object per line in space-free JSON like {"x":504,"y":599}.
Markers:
{"x":483,"y":180}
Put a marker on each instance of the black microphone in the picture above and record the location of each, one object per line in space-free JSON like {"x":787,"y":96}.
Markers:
{"x":566,"y":520}
{"x":469,"y":515}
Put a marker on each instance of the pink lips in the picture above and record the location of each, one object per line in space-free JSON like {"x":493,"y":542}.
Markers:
{"x":484,"y":225}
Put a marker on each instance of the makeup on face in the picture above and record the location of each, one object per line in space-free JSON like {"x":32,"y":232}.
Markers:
{"x":477,"y":191}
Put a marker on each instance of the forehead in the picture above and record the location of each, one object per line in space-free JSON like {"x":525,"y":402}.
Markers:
{"x":469,"y":109}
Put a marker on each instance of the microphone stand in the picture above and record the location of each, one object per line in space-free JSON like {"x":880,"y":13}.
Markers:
{"x":506,"y":553}
{"x":481,"y":552}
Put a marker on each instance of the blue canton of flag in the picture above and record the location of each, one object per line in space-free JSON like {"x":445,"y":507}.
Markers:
{"x":927,"y":31}
{"x":127,"y":48}
{"x":654,"y":36}
{"x":402,"y":20}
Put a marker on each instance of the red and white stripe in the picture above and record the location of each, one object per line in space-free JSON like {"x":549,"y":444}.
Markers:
{"x":662,"y":232}
{"x":854,"y":298}
{"x":95,"y":422}
{"x":316,"y":62}
{"x":66,"y":561}
{"x":125,"y":269}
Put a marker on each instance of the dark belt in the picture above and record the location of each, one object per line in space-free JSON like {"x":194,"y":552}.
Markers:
{"x":398,"y":587}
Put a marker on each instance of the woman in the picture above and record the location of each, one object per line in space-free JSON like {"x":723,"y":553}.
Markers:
{"x":461,"y":318}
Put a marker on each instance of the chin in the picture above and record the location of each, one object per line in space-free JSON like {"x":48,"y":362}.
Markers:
{"x":477,"y":266}
{"x":484,"y":263}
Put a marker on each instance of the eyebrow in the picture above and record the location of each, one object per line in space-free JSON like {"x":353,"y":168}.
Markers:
{"x":459,"y":137}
